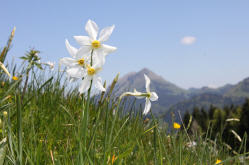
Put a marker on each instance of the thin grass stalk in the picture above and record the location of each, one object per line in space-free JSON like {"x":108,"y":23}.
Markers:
{"x":26,"y":82}
{"x":160,"y":147}
{"x":112,"y":128}
{"x":162,"y":143}
{"x":186,"y":131}
{"x":180,"y":150}
{"x":19,"y":128}
{"x":10,"y":138}
{"x":106,"y":130}
{"x":154,"y":138}
{"x":143,"y":153}
{"x":155,"y":147}
{"x":96,"y":124}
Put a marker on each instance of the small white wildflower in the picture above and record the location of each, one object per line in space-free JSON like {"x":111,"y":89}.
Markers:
{"x":50,"y":64}
{"x":191,"y":144}
{"x":149,"y":96}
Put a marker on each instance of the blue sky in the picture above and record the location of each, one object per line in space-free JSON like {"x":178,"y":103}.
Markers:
{"x":147,"y":34}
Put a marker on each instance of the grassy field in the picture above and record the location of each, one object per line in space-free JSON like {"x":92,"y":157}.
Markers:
{"x":43,"y":122}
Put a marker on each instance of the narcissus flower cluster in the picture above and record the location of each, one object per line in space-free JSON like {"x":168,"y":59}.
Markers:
{"x":88,"y":60}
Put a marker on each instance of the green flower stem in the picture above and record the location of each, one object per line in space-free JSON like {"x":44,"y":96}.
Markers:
{"x":26,"y":81}
{"x":84,"y":119}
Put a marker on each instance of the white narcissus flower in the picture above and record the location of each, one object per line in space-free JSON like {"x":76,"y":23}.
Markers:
{"x":90,"y":44}
{"x":75,"y":65}
{"x":149,"y":96}
{"x":91,"y":75}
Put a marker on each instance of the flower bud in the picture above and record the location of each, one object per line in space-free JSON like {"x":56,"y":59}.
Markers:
{"x":2,"y":84}
{"x":5,"y":113}
{"x":1,"y":123}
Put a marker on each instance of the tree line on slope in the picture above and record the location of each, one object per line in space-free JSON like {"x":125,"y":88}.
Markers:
{"x":228,"y":125}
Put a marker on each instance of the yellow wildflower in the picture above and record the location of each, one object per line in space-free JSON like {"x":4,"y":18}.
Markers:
{"x":15,"y":78}
{"x":217,"y":161}
{"x":113,"y":158}
{"x":177,"y":126}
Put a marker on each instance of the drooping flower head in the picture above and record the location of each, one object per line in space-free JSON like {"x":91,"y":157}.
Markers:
{"x":92,"y":44}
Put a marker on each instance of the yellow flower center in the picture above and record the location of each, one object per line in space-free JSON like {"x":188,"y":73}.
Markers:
{"x":90,"y":71}
{"x":149,"y":95}
{"x":95,"y":44}
{"x":81,"y":62}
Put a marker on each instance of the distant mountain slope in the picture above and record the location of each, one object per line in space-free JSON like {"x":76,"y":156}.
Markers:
{"x":203,"y":90}
{"x":173,"y":98}
{"x":239,"y":90}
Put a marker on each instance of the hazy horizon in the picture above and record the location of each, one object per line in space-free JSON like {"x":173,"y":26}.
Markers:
{"x":210,"y":86}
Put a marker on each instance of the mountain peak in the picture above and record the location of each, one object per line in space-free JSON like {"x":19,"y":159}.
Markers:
{"x":150,"y":74}
{"x":145,"y":71}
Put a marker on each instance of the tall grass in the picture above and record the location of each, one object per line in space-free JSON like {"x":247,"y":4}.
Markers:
{"x":47,"y":124}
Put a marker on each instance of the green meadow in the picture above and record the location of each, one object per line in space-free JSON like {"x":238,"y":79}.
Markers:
{"x":44,"y":121}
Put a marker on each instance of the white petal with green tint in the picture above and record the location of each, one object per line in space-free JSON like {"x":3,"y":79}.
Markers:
{"x":147,"y":106}
{"x":71,"y":50}
{"x":76,"y":72}
{"x":69,"y":62}
{"x":106,"y":49}
{"x":153,"y":96}
{"x":84,"y":51}
{"x":106,"y":33}
{"x":147,"y":83}
{"x":85,"y":85}
{"x":82,"y":40}
{"x":92,"y":29}
{"x":99,"y":85}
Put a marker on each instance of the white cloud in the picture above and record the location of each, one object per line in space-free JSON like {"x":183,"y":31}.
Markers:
{"x":188,"y":40}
